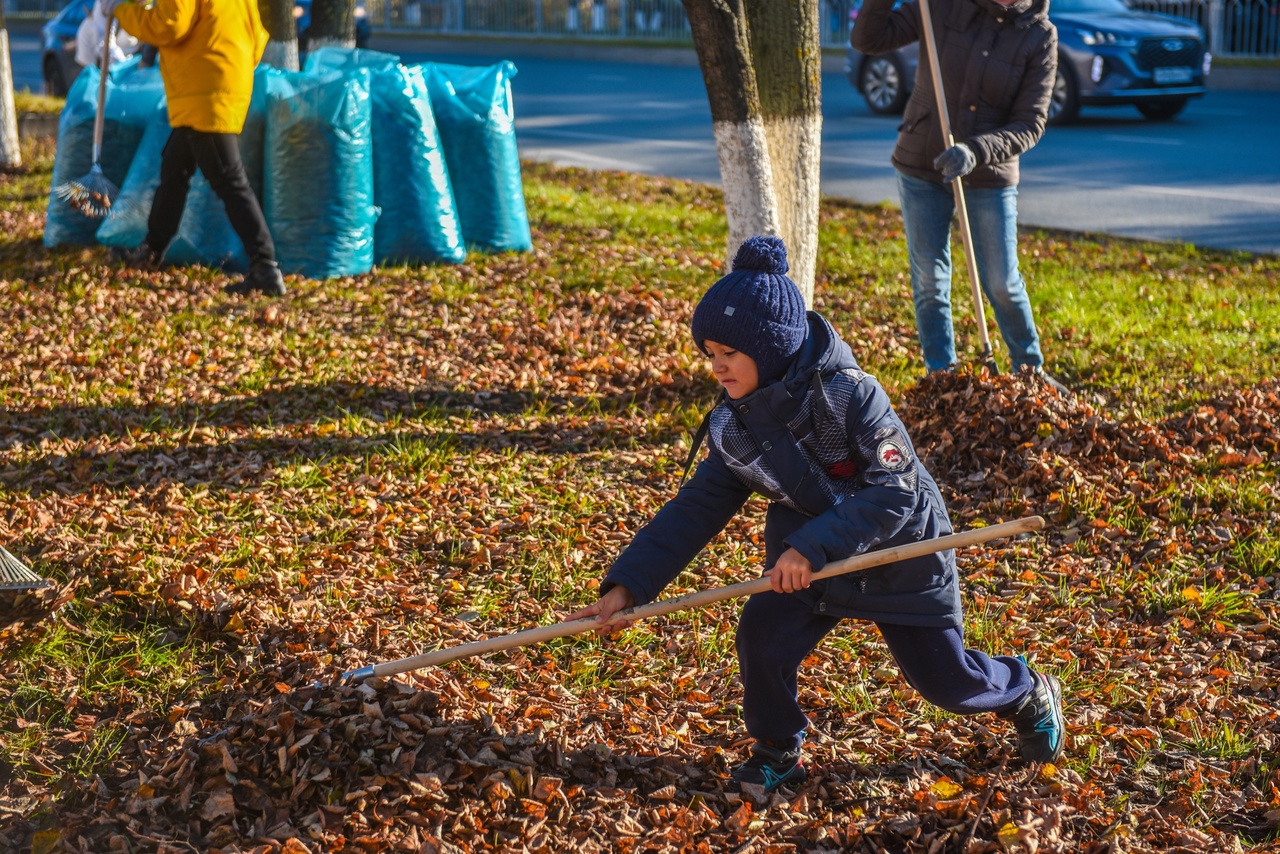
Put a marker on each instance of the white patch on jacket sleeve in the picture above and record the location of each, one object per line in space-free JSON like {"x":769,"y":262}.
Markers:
{"x":893,"y":455}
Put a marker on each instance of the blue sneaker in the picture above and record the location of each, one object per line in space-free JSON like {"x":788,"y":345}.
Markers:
{"x":1042,"y":730}
{"x":770,"y":768}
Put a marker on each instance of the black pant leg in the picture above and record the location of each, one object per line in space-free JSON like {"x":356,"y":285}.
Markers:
{"x":775,"y":633}
{"x":177,"y":165}
{"x":218,"y":155}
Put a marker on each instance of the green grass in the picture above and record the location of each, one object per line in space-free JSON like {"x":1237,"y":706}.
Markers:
{"x":431,"y":455}
{"x":26,"y":101}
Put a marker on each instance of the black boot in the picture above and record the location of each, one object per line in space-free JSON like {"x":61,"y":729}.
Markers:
{"x":140,"y":257}
{"x":263,"y":276}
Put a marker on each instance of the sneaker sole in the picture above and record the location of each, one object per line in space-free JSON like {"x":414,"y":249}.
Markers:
{"x":1059,"y":720}
{"x":793,"y":777}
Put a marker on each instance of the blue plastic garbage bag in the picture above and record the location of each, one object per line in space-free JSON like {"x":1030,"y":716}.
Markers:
{"x":132,"y":95}
{"x":126,"y":224}
{"x":205,"y":235}
{"x":475,"y":114}
{"x":419,"y":220}
{"x":318,"y":178}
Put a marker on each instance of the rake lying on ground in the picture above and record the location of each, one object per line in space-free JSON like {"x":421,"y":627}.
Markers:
{"x":16,"y":577}
{"x":26,"y":599}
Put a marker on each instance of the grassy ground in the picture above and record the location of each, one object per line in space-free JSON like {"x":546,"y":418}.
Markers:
{"x":248,"y":496}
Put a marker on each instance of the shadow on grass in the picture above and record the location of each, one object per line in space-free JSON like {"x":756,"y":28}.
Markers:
{"x":564,"y":426}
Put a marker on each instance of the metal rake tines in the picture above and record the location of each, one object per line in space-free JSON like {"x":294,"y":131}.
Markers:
{"x":93,"y":195}
{"x":15,"y":575}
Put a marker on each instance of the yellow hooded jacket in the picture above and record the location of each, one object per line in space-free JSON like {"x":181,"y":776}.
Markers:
{"x":208,"y":50}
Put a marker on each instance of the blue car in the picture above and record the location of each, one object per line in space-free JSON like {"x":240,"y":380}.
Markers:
{"x":1108,"y":55}
{"x":58,"y":63}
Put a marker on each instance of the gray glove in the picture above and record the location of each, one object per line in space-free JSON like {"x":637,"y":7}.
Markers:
{"x":956,"y":162}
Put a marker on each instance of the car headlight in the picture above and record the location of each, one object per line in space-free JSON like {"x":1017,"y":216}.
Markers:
{"x":1102,"y":37}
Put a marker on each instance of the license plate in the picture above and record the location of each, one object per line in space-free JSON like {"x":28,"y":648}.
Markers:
{"x":1173,"y":75}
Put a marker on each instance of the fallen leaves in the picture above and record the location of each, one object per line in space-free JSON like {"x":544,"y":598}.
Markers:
{"x":415,"y":459}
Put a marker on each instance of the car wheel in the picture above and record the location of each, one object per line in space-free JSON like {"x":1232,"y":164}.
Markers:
{"x":1064,"y":102}
{"x":55,"y":82}
{"x":1163,"y":109}
{"x":882,"y":83}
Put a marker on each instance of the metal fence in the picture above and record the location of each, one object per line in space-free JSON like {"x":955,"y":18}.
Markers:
{"x":645,"y":20}
{"x":1235,"y":28}
{"x":1232,"y":27}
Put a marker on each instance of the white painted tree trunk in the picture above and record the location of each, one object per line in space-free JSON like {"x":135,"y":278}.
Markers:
{"x":761,"y":63}
{"x":324,"y":41}
{"x":746,"y":173}
{"x":10,"y":149}
{"x":282,"y":54}
{"x":282,"y":47}
{"x":795,"y":155}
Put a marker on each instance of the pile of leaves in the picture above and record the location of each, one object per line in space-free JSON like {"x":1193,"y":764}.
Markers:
{"x":255,"y":498}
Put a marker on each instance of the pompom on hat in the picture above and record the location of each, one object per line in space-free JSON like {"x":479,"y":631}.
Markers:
{"x":755,"y":309}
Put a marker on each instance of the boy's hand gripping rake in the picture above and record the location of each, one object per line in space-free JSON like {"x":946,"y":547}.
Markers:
{"x":694,"y":600}
{"x":966,"y":236}
{"x":94,"y":194}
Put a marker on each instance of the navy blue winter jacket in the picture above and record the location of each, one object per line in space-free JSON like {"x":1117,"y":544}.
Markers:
{"x":825,"y":446}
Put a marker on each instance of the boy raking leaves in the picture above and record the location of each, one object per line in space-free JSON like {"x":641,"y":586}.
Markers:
{"x":801,"y":424}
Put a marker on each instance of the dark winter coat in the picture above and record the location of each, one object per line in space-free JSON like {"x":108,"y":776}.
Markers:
{"x":825,"y":446}
{"x":998,"y":67}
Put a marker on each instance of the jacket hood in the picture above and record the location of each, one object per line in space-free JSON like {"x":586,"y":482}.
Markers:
{"x":823,"y":350}
{"x":1024,"y":12}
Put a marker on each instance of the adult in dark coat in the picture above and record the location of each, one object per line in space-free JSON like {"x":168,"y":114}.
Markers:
{"x":801,"y":424}
{"x":998,"y":61}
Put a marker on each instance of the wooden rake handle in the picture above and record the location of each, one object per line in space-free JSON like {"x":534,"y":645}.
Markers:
{"x":104,"y":67}
{"x":695,"y":600}
{"x":962,"y":210}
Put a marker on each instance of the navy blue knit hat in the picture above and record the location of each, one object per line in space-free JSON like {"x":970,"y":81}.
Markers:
{"x":755,"y":309}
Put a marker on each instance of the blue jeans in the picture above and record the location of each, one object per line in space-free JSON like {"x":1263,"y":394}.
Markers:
{"x":927,"y":211}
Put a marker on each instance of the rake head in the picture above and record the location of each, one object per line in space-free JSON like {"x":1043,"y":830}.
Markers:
{"x":92,"y":195}
{"x":26,"y":599}
{"x":16,"y":576}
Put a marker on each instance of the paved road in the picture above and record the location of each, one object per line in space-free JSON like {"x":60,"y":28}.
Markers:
{"x":1211,"y":178}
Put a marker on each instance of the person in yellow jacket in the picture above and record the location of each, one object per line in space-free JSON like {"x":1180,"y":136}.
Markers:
{"x":208,"y":51}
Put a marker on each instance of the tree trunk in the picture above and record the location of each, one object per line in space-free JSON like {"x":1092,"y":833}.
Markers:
{"x":10,"y":151}
{"x":333,"y":24}
{"x":761,"y":65}
{"x":787,"y":55}
{"x":282,"y":49}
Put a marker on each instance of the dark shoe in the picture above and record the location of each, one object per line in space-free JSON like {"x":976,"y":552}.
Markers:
{"x":1042,"y":731}
{"x":770,"y":767}
{"x":1039,"y":374}
{"x":140,"y":257}
{"x":263,"y":276}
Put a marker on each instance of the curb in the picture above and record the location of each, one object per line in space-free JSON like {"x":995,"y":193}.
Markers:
{"x":36,"y":125}
{"x":392,"y":41}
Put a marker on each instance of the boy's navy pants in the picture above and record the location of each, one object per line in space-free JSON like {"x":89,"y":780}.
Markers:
{"x":777,"y":631}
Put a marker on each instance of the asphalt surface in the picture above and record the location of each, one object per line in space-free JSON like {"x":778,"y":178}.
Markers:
{"x":1210,"y":178}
